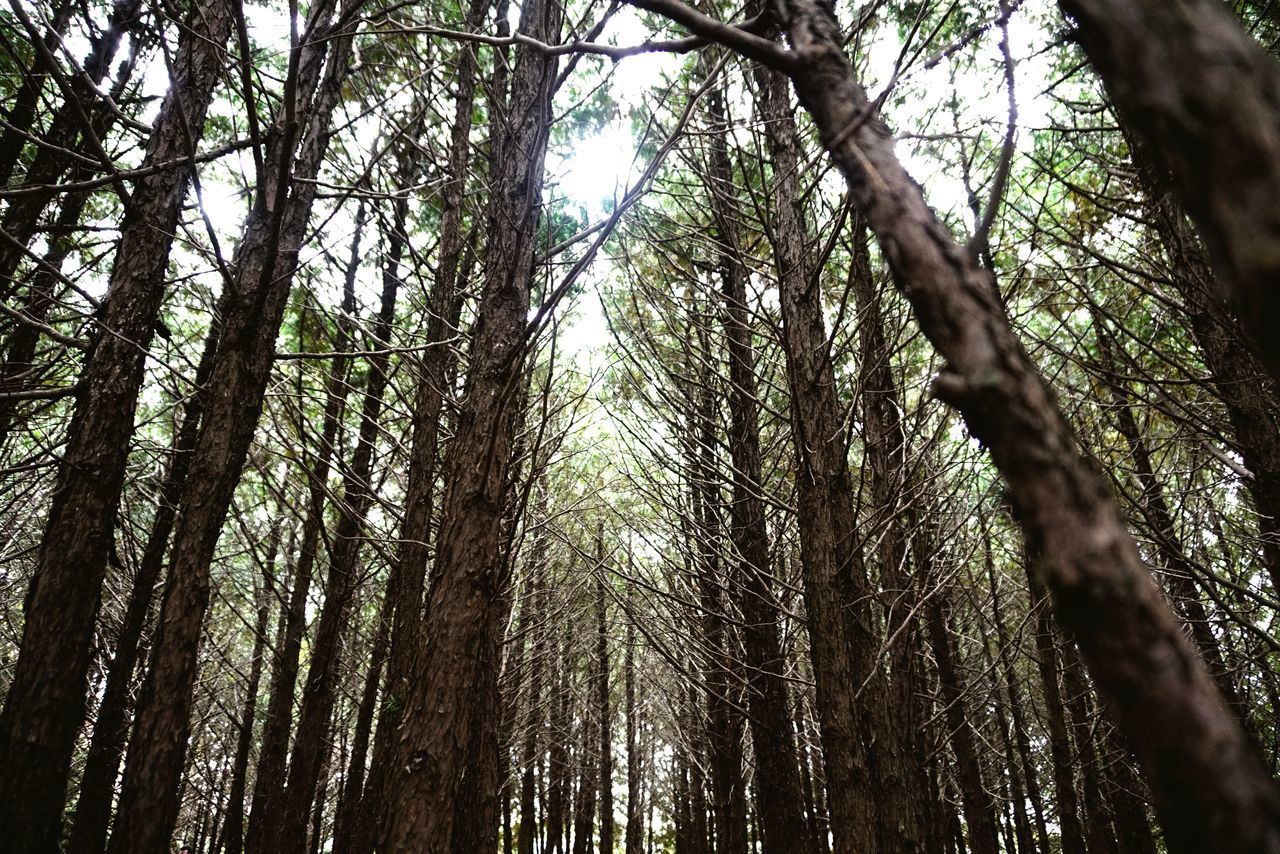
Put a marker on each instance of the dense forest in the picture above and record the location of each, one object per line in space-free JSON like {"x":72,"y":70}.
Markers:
{"x":640,"y":426}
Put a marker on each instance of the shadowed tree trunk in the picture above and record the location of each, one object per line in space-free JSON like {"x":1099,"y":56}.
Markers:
{"x":466,"y":601}
{"x":45,"y":704}
{"x":265,"y":263}
{"x":782,"y":821}
{"x":233,"y":826}
{"x":273,"y":752}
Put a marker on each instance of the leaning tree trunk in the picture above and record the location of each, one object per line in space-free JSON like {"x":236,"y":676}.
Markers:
{"x":1210,"y":788}
{"x":266,"y":261}
{"x":45,"y":704}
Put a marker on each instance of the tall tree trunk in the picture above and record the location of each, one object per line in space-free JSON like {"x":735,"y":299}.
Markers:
{"x":532,"y":678}
{"x":1064,"y":782}
{"x":604,"y":709}
{"x":832,"y":563}
{"x":21,"y":114}
{"x":1209,"y":786}
{"x":53,"y":160}
{"x":435,"y":376}
{"x":266,"y":261}
{"x":106,"y":746}
{"x":782,"y":821}
{"x":273,"y":753}
{"x":902,"y":751}
{"x":978,"y":815}
{"x":1097,"y":824}
{"x":466,"y":600}
{"x":559,"y":783}
{"x":347,"y":821}
{"x":319,"y":693}
{"x":233,"y":826}
{"x":634,"y":836}
{"x":45,"y":704}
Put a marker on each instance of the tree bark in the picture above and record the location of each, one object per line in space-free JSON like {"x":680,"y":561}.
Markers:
{"x":45,"y":704}
{"x":266,"y":807}
{"x":466,"y":600}
{"x":1208,"y":784}
{"x":265,"y":263}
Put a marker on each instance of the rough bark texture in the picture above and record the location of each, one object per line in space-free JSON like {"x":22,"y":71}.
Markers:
{"x":782,"y":823}
{"x":458,"y":662}
{"x":265,"y":263}
{"x":1207,"y":782}
{"x":45,"y":704}
{"x":1205,"y":98}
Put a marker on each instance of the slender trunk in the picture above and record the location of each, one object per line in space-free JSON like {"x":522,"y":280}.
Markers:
{"x":830,"y":553}
{"x":106,"y":747}
{"x":533,"y":724}
{"x":347,"y":821}
{"x":1064,"y":783}
{"x":1011,"y":683}
{"x":1178,"y":568}
{"x":268,"y":793}
{"x":52,"y":162}
{"x":233,"y":825}
{"x":45,"y":704}
{"x":559,"y":784}
{"x":265,"y":263}
{"x":782,"y":823}
{"x":635,"y":819}
{"x":1097,"y":824}
{"x":320,"y":690}
{"x":978,"y":818}
{"x":604,"y":710}
{"x":21,"y":114}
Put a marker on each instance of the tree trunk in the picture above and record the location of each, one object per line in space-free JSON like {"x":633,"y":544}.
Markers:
{"x":604,"y":709}
{"x":106,"y":747}
{"x":978,"y":818}
{"x":467,"y":600}
{"x":1209,"y":787}
{"x":319,"y":693}
{"x":842,"y":661}
{"x":265,"y":263}
{"x":1211,"y":128}
{"x":268,"y":792}
{"x":233,"y":826}
{"x":782,"y":821}
{"x":45,"y":704}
